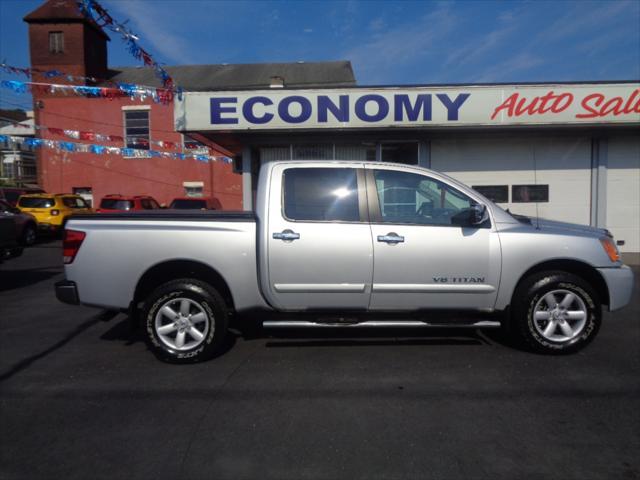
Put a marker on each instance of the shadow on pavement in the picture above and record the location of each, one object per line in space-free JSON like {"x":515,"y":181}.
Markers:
{"x":26,"y":363}
{"x":14,"y":279}
{"x":125,"y":331}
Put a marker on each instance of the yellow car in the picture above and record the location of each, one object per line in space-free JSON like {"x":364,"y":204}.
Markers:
{"x":52,"y":210}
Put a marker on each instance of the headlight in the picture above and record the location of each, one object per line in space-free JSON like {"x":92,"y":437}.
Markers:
{"x":610,"y":248}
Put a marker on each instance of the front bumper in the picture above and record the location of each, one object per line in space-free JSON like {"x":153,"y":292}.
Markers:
{"x":620,"y":284}
{"x":67,"y":292}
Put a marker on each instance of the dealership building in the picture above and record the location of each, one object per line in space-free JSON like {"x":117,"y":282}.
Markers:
{"x":562,"y":151}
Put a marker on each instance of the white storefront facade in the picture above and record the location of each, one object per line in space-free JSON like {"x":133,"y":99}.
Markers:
{"x":568,"y":152}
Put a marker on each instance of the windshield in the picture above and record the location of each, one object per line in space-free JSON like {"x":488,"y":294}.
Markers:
{"x":36,"y":202}
{"x":115,"y":204}
{"x":186,"y":204}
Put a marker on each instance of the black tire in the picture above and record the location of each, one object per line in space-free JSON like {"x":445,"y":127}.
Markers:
{"x":29,"y":234}
{"x":203,"y":298}
{"x":532,"y":293}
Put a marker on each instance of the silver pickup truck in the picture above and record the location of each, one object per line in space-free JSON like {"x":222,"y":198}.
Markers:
{"x":346,"y":244}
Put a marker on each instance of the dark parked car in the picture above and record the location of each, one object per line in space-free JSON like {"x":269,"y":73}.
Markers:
{"x":195,"y":203}
{"x":8,"y":244}
{"x":26,"y":225}
{"x":11,"y":194}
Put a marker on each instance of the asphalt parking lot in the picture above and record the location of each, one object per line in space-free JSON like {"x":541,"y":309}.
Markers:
{"x":81,"y":397}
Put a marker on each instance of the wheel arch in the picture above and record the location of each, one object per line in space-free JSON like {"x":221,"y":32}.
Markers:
{"x":180,"y":268}
{"x":579,"y":268}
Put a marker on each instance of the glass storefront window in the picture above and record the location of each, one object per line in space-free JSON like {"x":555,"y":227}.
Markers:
{"x":313,"y":152}
{"x":402,"y":152}
{"x":363,"y":151}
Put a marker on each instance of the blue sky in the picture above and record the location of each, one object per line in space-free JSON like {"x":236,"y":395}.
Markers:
{"x":402,"y":42}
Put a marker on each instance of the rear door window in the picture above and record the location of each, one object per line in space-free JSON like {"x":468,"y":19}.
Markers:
{"x":36,"y":202}
{"x":321,"y":194}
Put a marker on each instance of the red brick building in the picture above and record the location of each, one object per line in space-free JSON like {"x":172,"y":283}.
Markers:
{"x":61,"y":38}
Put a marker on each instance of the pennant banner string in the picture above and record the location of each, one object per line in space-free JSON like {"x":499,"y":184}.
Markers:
{"x":96,"y":13}
{"x":158,"y":95}
{"x":28,"y":72}
{"x":31,"y":142}
{"x":84,"y":135}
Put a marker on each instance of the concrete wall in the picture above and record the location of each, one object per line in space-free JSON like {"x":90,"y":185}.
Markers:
{"x":563,"y":163}
{"x":623,"y":191}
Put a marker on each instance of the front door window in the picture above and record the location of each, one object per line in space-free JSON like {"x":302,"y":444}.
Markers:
{"x":406,"y":197}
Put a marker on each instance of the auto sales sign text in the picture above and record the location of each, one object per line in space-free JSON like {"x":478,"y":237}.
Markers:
{"x":409,"y":107}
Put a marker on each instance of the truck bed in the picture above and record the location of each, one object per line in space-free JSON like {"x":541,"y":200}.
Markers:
{"x":120,"y":248}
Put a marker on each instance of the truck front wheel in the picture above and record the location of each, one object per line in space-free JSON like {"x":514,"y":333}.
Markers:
{"x":186,"y":321}
{"x":556,"y":312}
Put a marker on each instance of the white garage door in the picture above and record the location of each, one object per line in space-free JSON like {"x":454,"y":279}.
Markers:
{"x":563,"y":164}
{"x":623,"y":191}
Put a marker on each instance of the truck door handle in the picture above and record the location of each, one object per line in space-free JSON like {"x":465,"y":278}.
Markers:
{"x":286,"y":235}
{"x":391,"y":238}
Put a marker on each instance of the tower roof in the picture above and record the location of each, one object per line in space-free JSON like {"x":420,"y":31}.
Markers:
{"x":60,"y":11}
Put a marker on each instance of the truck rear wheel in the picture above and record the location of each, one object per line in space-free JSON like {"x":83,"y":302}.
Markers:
{"x":556,"y":312}
{"x":186,"y":321}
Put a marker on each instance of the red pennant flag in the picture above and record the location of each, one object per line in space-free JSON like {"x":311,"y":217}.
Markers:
{"x":56,"y":131}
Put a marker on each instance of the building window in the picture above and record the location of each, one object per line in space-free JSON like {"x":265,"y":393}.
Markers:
{"x":273,"y":154}
{"x":85,"y":192}
{"x":495,"y":193}
{"x":193,"y":189}
{"x":364,"y":151}
{"x":530,"y":193}
{"x":136,"y":129}
{"x":56,"y":42}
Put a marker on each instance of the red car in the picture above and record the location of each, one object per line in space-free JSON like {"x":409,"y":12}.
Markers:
{"x":196,"y":203}
{"x":121,"y":203}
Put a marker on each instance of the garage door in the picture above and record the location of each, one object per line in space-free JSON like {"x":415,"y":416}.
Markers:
{"x":550,"y":173}
{"x":623,"y":191}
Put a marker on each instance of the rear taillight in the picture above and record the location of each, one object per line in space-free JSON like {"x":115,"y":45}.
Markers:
{"x":71,"y":244}
{"x":55,"y":212}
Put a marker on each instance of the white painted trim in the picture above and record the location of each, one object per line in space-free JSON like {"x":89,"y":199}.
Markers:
{"x":136,"y":107}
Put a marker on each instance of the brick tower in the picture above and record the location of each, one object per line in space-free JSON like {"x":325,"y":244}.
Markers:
{"x":61,"y":38}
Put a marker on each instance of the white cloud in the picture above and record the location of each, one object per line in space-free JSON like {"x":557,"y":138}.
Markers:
{"x":476,"y":49}
{"x":400,"y":46}
{"x":504,"y":71}
{"x":153,"y":23}
{"x":585,"y":17}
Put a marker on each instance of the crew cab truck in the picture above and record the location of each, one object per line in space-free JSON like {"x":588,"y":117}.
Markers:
{"x":346,"y":244}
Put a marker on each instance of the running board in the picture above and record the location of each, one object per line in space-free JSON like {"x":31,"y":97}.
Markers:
{"x":376,"y":324}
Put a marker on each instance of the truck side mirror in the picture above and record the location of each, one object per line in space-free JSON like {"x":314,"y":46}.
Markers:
{"x":471,"y":217}
{"x":480,"y":214}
